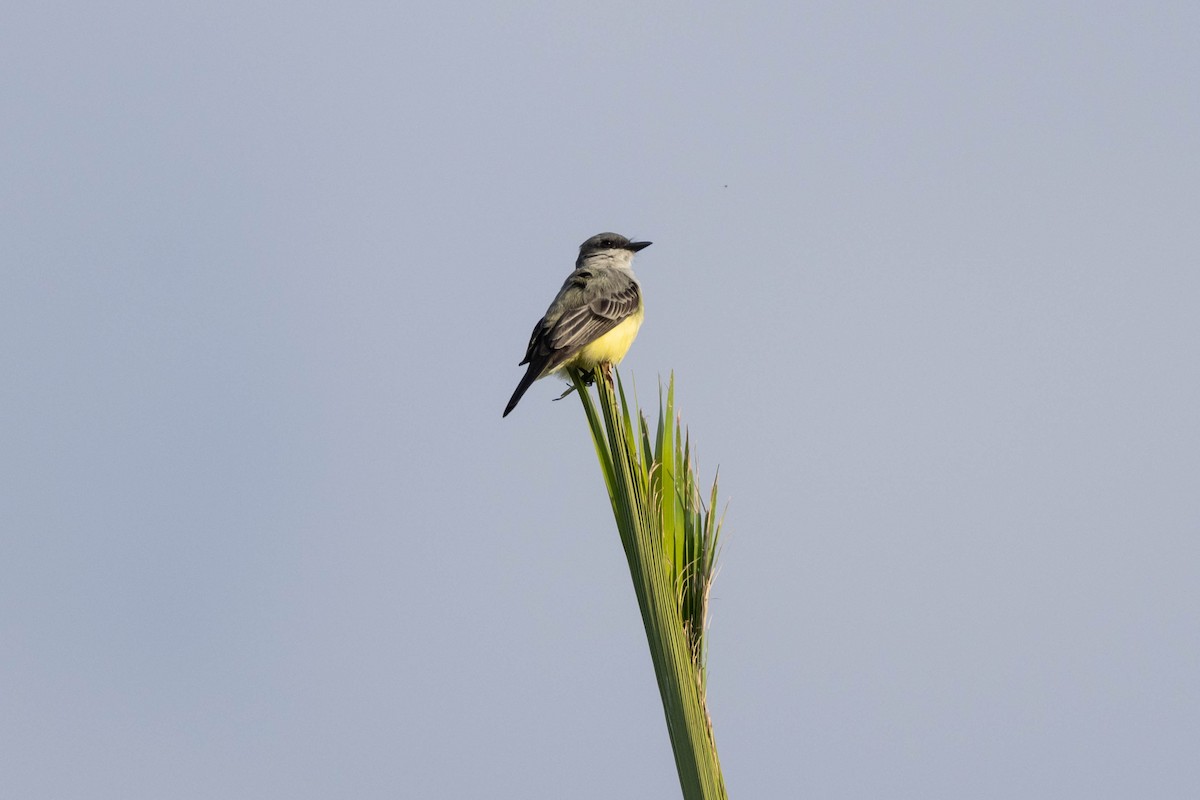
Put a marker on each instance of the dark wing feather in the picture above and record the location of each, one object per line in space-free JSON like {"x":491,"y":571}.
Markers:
{"x":560,"y":334}
{"x":539,"y":331}
{"x":582,"y":313}
{"x":588,"y":323}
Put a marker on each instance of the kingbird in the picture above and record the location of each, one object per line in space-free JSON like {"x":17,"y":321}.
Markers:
{"x":595,"y":317}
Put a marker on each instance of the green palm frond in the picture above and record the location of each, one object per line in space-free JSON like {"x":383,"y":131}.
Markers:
{"x":670,"y":539}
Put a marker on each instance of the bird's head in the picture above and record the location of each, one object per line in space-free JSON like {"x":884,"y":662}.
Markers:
{"x":610,"y":247}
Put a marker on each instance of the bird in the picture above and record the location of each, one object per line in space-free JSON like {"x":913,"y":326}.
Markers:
{"x":593,"y":320}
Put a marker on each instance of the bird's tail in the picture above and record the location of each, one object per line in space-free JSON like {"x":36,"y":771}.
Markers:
{"x":531,"y":375}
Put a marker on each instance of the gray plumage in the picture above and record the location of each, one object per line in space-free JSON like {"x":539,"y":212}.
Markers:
{"x":596,"y":297}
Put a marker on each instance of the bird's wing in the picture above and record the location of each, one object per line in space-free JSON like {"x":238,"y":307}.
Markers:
{"x":586,"y":323}
{"x":588,"y":306}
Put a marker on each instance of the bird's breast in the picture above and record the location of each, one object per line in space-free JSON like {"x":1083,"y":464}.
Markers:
{"x":612,"y":346}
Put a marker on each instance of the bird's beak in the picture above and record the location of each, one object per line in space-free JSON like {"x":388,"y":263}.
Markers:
{"x":635,"y":246}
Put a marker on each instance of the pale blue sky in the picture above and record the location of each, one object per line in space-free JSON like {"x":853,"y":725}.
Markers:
{"x":929,"y":277}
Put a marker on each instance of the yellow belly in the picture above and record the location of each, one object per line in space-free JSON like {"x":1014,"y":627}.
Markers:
{"x":611,"y":347}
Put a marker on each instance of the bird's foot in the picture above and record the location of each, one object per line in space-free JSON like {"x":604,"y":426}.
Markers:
{"x":564,"y":394}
